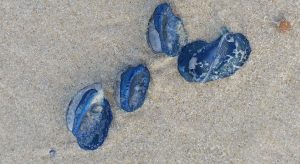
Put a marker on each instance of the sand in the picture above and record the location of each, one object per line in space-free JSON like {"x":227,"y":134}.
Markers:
{"x":49,"y":49}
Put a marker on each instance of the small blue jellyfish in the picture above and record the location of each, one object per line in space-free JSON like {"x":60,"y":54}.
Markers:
{"x":202,"y":62}
{"x":132,"y":88}
{"x":166,"y":33}
{"x":89,"y":117}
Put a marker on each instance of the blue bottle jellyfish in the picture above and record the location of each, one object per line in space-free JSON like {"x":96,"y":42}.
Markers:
{"x":89,"y":117}
{"x":133,"y":87}
{"x":202,"y":62}
{"x":166,"y":33}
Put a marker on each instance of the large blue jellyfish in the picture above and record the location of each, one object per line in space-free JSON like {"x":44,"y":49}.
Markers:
{"x":202,"y":62}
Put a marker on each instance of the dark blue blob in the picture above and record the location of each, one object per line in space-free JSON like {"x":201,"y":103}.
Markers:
{"x":203,"y":62}
{"x":133,"y":88}
{"x":89,"y":117}
{"x":52,"y":153}
{"x":166,"y":33}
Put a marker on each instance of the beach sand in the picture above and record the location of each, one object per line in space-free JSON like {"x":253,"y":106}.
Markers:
{"x":50,"y":49}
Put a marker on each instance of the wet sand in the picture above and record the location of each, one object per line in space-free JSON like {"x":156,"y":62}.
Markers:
{"x":50,"y":49}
